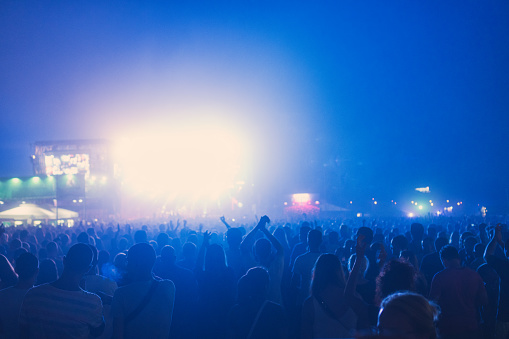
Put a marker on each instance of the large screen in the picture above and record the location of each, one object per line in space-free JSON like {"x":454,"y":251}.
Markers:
{"x":67,"y":164}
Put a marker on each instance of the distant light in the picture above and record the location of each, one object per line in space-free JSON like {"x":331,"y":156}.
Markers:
{"x":233,"y":220}
{"x":458,"y":203}
{"x":461,"y":202}
{"x":301,"y":198}
{"x":415,"y":204}
{"x":431,"y":201}
{"x":36,"y":179}
{"x":351,"y":202}
{"x":395,"y":203}
{"x":81,"y":200}
{"x":74,"y":201}
{"x":1,"y":202}
{"x":375,"y":202}
{"x":423,"y":189}
{"x":286,"y":203}
{"x":447,"y":201}
{"x":317,"y":202}
{"x":93,"y":178}
{"x":372,"y":198}
{"x":240,"y":205}
{"x":420,"y":207}
{"x":410,"y":215}
{"x":23,"y":202}
{"x":412,"y":202}
{"x":359,"y":215}
{"x":438,"y":212}
{"x":449,"y":209}
{"x":16,"y":180}
{"x":431,"y":204}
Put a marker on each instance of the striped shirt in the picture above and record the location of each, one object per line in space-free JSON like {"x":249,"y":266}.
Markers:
{"x":50,"y":312}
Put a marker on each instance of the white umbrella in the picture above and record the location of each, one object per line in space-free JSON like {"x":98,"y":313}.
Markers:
{"x":27,"y":211}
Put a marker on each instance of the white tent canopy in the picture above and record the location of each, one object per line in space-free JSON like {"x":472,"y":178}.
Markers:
{"x":34,"y":212}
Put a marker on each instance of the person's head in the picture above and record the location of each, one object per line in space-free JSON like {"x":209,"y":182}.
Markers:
{"x":140,"y":260}
{"x":479,"y":250}
{"x":262,"y":249}
{"x":215,"y":259}
{"x":344,"y":230}
{"x":417,"y":231}
{"x":83,"y":238}
{"x":432,"y":231}
{"x":407,"y":315}
{"x":140,"y":236}
{"x":450,"y":256}
{"x":168,"y":255}
{"x":27,"y":266}
{"x":253,"y":286}
{"x":367,"y":233}
{"x":409,"y":257}
{"x":398,"y":244}
{"x":14,"y":244}
{"x":163,"y":239}
{"x":47,"y":272}
{"x":189,"y":250}
{"x":314,"y":240}
{"x":327,"y":272}
{"x":395,"y":276}
{"x":234,"y":237}
{"x":303,"y":231}
{"x":52,"y":249}
{"x":469,"y":244}
{"x":120,"y":261}
{"x":78,"y":259}
{"x":440,"y":242}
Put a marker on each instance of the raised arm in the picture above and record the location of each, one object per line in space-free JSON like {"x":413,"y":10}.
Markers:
{"x":247,"y":242}
{"x":201,"y":253}
{"x":223,"y":220}
{"x":492,"y":245}
{"x":360,"y":250}
{"x":277,"y":245}
{"x":357,"y":304}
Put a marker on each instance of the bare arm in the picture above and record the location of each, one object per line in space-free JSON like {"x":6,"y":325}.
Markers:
{"x":277,"y":245}
{"x":223,"y":220}
{"x":247,"y":242}
{"x":492,"y":245}
{"x":201,"y":254}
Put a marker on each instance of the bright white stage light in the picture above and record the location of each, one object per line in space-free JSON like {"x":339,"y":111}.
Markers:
{"x":186,"y":163}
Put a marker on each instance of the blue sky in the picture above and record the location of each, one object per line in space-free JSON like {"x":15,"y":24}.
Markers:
{"x":388,"y":95}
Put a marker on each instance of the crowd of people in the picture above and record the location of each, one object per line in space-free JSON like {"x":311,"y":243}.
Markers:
{"x":380,"y":278}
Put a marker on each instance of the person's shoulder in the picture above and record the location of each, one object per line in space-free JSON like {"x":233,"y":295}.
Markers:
{"x":166,"y":284}
{"x":44,"y":288}
{"x":6,"y":290}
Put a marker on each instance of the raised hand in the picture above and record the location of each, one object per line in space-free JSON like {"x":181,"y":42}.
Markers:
{"x":263,"y":222}
{"x":206,"y":237}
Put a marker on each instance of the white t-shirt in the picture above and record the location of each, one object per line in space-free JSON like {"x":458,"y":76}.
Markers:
{"x":155,"y":319}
